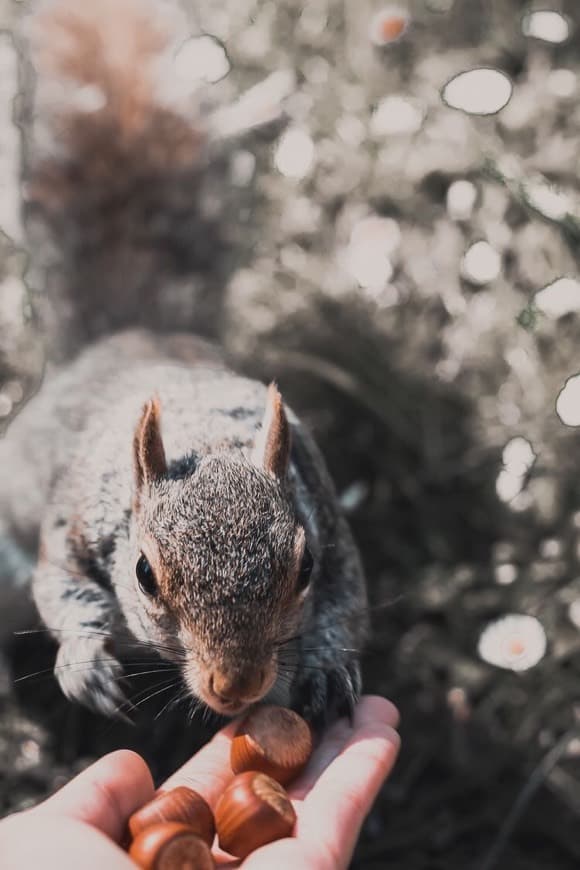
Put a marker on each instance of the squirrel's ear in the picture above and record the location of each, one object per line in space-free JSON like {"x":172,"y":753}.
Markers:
{"x":148,"y":454}
{"x":272,"y":448}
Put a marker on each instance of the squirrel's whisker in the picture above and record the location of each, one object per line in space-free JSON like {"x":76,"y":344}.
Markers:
{"x":51,"y":670}
{"x":79,"y":665}
{"x":143,"y":700}
{"x":173,"y":702}
{"x":344,"y":649}
{"x":194,"y":707}
{"x":105,"y":634}
{"x":145,"y":673}
{"x":352,"y":616}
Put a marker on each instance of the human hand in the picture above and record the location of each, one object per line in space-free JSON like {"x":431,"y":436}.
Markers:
{"x":83,"y":823}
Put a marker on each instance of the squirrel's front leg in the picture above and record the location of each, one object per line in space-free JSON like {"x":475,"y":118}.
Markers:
{"x":79,"y":613}
{"x":328,"y":683}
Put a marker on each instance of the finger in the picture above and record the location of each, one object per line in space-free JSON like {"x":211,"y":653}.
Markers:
{"x":209,"y":771}
{"x":370,"y":708}
{"x":285,"y":855}
{"x":332,"y":814}
{"x":35,"y":839}
{"x":105,"y":794}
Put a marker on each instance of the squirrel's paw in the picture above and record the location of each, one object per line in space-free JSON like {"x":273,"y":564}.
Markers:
{"x":321,"y":696}
{"x":89,"y":674}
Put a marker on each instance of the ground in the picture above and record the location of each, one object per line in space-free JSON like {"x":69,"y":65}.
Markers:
{"x":415,"y":366}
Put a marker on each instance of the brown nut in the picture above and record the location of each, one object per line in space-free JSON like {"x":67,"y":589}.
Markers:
{"x":181,"y":804}
{"x":273,"y":740}
{"x":170,"y":846}
{"x":253,"y":810}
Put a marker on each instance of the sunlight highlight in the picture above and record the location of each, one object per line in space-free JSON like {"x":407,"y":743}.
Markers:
{"x":559,"y":298}
{"x":294,"y":155}
{"x":518,"y":458}
{"x":481,"y":264}
{"x":546,"y":24}
{"x":478,"y":91}
{"x":568,"y":402}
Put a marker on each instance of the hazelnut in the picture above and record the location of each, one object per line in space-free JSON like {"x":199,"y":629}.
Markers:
{"x":253,"y":810}
{"x":170,"y":846}
{"x":181,"y":804}
{"x":273,"y":740}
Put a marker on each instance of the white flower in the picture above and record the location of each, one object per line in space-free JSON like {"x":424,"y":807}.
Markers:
{"x":514,"y":642}
{"x":388,"y":25}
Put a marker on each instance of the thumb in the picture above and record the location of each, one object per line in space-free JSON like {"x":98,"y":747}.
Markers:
{"x":105,"y":794}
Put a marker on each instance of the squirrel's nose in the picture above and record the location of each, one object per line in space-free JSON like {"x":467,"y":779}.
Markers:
{"x":231,"y":689}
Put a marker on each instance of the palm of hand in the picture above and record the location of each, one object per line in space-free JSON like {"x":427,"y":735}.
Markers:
{"x":87,"y":819}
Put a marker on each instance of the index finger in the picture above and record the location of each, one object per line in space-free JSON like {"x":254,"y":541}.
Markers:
{"x":370,"y":708}
{"x":209,"y":771}
{"x":342,"y":797}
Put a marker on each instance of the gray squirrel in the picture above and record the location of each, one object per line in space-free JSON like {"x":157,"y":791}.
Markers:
{"x":171,"y":502}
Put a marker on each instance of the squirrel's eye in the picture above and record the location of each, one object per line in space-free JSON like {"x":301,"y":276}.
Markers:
{"x":305,"y":570}
{"x":146,"y":577}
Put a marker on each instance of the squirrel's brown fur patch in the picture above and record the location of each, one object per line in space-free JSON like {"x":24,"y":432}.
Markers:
{"x":116,"y":164}
{"x":116,"y":50}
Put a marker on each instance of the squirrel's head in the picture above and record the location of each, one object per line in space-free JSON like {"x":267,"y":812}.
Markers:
{"x":221,"y":567}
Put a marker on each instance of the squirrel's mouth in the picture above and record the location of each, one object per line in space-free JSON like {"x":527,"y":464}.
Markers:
{"x":230,"y":692}
{"x":228,"y":708}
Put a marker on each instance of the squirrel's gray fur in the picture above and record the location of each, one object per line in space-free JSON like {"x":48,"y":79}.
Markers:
{"x":149,"y":445}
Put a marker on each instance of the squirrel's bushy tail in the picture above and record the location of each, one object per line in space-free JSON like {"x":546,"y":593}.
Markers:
{"x":114,"y":168}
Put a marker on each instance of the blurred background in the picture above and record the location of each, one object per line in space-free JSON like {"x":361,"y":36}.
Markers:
{"x":397,"y":243}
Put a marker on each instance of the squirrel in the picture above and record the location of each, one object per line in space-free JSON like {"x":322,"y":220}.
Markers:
{"x":169,"y":500}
